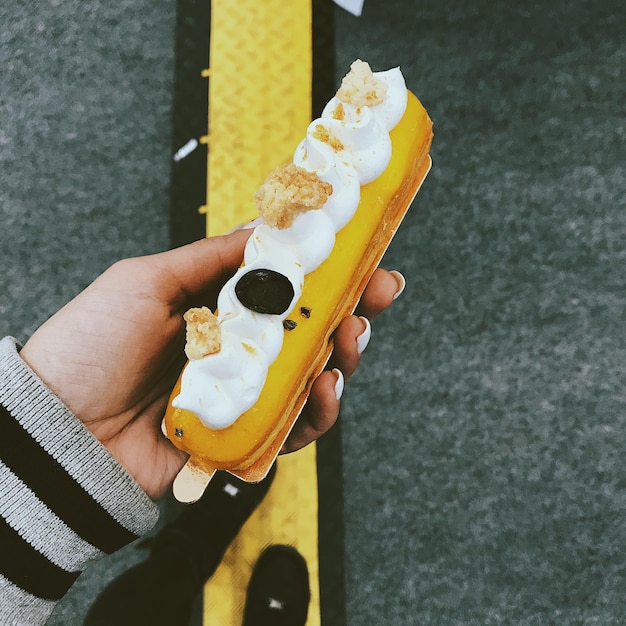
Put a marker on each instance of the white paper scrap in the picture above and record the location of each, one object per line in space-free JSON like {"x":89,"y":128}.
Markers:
{"x":352,"y":6}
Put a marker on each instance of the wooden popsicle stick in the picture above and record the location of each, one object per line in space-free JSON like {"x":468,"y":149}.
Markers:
{"x":191,"y":481}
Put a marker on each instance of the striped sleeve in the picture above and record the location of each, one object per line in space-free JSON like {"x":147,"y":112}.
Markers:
{"x":64,"y":500}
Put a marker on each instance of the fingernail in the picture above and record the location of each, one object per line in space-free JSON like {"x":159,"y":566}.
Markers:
{"x":163,"y":428}
{"x":340,"y":384}
{"x":248,"y":225}
{"x":364,"y":338}
{"x":401,"y":282}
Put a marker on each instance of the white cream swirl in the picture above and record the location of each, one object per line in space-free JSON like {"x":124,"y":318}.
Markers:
{"x":220,"y":387}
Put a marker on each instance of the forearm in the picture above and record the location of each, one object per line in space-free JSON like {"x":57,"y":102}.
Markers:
{"x":64,"y":500}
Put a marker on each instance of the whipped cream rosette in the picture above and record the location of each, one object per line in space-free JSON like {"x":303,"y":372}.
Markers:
{"x":348,"y":146}
{"x":326,"y":220}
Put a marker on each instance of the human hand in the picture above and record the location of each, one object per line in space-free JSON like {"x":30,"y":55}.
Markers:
{"x":114,"y":353}
{"x":350,"y":339}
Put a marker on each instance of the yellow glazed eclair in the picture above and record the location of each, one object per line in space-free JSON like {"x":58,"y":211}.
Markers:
{"x":325,"y":223}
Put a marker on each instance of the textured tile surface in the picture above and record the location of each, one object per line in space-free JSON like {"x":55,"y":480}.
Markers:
{"x":484,"y":433}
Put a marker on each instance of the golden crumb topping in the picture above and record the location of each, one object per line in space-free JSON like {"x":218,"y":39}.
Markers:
{"x":289,"y":191}
{"x":360,"y":87}
{"x":204,"y":334}
{"x":339,"y":112}
{"x":321,"y":133}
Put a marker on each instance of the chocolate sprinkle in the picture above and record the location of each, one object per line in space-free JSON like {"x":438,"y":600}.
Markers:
{"x":265,"y":291}
{"x":289,"y":324}
{"x":305,"y":311}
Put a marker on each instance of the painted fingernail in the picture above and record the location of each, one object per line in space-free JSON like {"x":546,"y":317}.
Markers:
{"x":364,"y":338}
{"x":248,"y":225}
{"x":340,"y":384}
{"x":401,"y":283}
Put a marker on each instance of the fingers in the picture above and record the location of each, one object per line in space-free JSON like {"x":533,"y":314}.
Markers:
{"x":320,"y":412}
{"x":350,"y":339}
{"x":322,"y":408}
{"x":383,"y":288}
{"x":354,"y":332}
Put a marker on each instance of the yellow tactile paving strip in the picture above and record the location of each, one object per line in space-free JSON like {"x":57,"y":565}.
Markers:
{"x":259,"y":109}
{"x":259,"y":99}
{"x":287,"y":515}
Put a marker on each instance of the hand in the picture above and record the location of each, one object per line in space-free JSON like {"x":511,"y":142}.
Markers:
{"x":114,"y":353}
{"x":322,"y":408}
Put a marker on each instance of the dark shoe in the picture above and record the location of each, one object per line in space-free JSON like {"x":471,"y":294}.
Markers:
{"x":183,"y":555}
{"x":278,"y":592}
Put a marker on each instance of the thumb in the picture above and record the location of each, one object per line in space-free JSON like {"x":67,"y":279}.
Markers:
{"x":201,"y":267}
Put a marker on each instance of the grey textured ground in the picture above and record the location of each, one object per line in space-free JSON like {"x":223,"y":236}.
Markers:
{"x":484,"y":440}
{"x":484,"y":435}
{"x":85,"y":134}
{"x":84,"y":138}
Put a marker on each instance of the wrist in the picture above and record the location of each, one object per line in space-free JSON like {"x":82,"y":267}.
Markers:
{"x":43,"y":419}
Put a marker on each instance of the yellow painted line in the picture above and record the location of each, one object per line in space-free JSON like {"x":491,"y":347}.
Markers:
{"x":287,"y":515}
{"x":259,"y":83}
{"x":259,"y":99}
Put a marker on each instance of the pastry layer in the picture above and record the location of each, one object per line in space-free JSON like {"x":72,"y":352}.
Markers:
{"x":330,"y":293}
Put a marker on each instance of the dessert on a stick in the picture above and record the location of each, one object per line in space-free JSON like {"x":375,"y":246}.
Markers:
{"x":326,"y":220}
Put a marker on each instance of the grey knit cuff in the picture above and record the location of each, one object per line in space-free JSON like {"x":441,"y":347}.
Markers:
{"x":71,"y":444}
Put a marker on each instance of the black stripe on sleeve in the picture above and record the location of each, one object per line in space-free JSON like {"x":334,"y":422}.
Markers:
{"x":30,"y":570}
{"x":57,"y":489}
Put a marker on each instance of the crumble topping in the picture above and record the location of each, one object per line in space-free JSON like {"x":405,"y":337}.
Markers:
{"x":289,"y":191}
{"x":203,"y":333}
{"x":339,"y":112}
{"x":323,"y":134}
{"x":360,"y":87}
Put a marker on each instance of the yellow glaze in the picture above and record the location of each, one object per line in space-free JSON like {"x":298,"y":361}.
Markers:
{"x":331,"y":292}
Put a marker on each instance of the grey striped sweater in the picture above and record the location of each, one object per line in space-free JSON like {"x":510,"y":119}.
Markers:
{"x":64,"y":500}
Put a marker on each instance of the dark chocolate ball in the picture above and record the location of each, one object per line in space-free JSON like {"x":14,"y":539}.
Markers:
{"x":265,"y":291}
